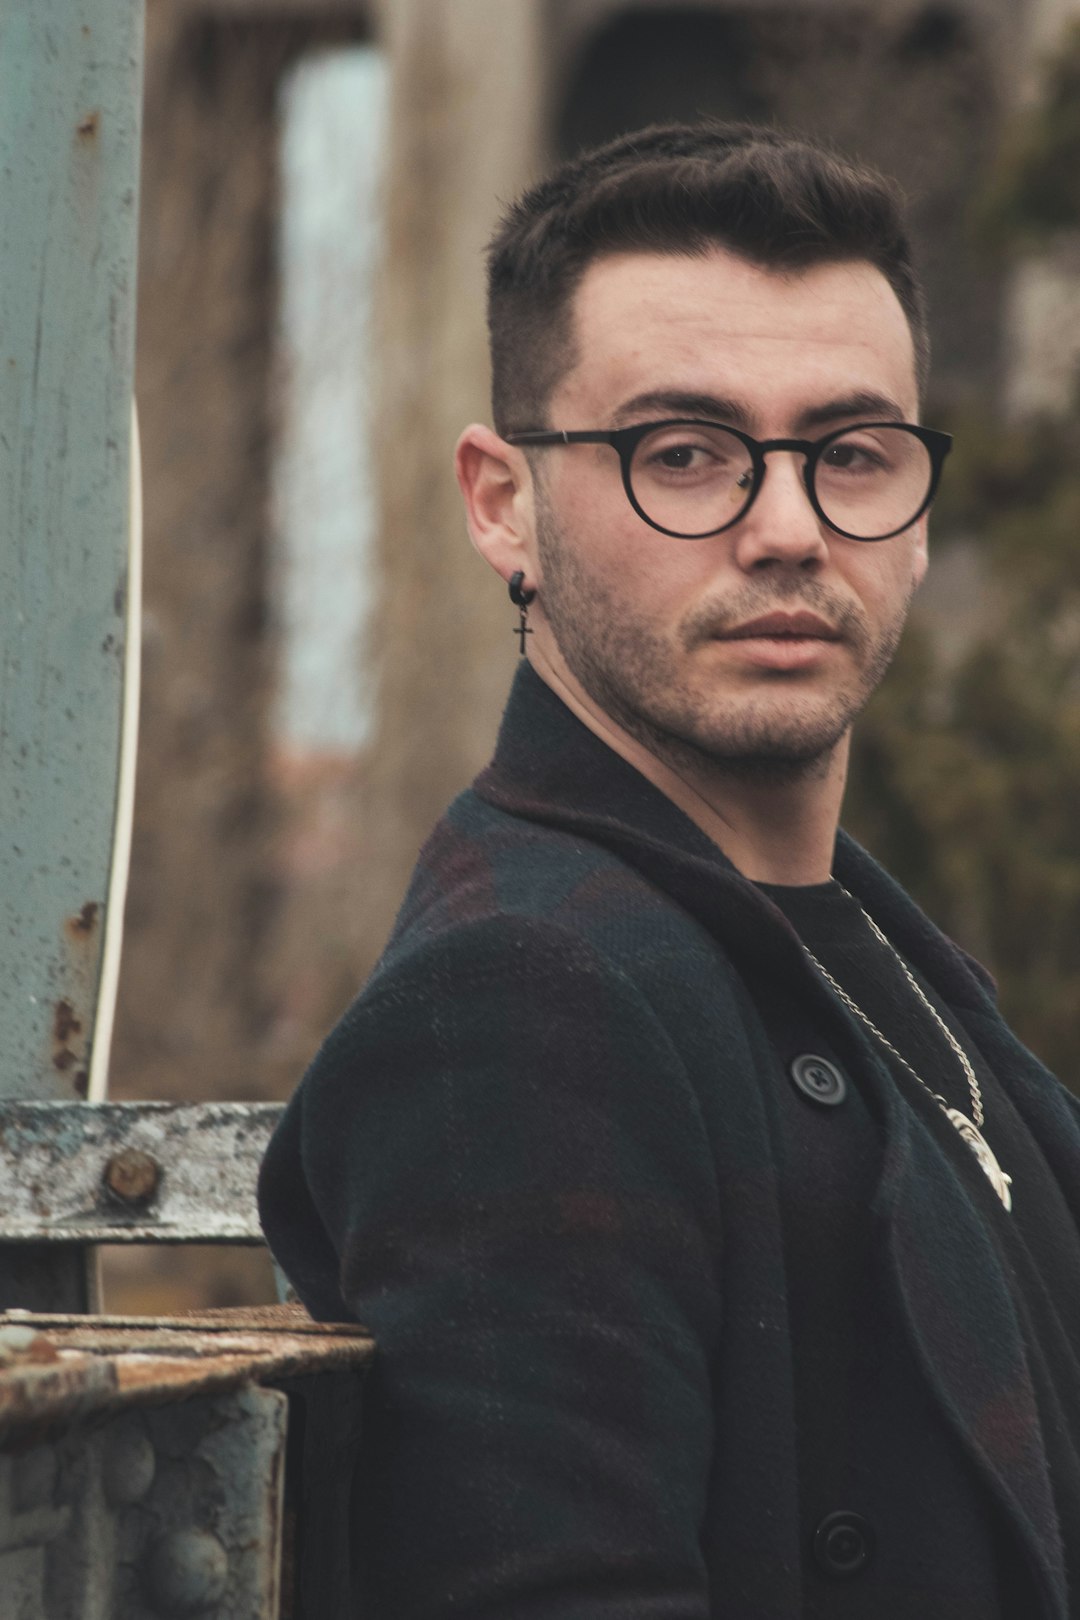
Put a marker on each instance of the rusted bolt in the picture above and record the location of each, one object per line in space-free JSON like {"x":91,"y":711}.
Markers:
{"x":20,"y":1344}
{"x":88,"y":127}
{"x":132,"y":1176}
{"x":186,"y":1572}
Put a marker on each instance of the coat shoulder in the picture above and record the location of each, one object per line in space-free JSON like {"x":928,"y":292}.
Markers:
{"x":488,"y":880}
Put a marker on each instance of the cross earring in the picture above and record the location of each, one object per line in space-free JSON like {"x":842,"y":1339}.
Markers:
{"x":521,"y":599}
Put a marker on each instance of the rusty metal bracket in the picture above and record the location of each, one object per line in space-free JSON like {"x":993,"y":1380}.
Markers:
{"x":131,"y":1172}
{"x":197,"y":1467}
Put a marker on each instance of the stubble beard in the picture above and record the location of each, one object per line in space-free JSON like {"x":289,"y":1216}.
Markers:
{"x":634,"y":675}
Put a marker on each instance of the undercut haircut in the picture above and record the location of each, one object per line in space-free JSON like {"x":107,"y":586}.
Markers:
{"x":778,"y":201}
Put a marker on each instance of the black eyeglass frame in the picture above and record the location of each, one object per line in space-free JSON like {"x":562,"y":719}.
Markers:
{"x":624,"y":441}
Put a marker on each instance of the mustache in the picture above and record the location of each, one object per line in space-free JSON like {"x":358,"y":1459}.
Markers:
{"x":710,"y":619}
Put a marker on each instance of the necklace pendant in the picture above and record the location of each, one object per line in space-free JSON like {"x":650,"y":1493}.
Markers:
{"x":982,"y":1150}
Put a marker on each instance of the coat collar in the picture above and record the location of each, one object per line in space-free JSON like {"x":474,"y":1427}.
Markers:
{"x":550,"y":768}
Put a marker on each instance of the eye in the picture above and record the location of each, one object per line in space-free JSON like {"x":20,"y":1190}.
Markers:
{"x":863,"y":455}
{"x":847,"y":456}
{"x":682,"y":457}
{"x":676,"y":456}
{"x":684,"y":451}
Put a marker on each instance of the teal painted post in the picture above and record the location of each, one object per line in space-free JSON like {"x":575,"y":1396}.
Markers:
{"x":70,"y":94}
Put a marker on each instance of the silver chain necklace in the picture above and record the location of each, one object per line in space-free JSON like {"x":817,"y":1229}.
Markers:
{"x":969,"y":1129}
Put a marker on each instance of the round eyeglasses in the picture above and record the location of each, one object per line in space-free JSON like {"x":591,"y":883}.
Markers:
{"x":693,"y":479}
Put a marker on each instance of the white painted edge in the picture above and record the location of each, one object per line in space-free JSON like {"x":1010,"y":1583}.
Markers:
{"x":109,"y":980}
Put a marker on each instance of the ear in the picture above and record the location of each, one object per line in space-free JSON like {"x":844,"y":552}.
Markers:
{"x":497,"y":489}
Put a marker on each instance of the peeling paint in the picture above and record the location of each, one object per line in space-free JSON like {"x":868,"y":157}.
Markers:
{"x":85,"y":921}
{"x":65,"y":1023}
{"x":67,"y":1027}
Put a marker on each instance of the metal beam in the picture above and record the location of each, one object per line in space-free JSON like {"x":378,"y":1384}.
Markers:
{"x":70,"y":105}
{"x":135,"y":1172}
{"x":70,"y":87}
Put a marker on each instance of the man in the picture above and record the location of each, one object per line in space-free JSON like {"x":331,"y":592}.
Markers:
{"x":719,"y":1240}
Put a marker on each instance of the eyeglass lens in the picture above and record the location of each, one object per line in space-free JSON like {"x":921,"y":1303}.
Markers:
{"x":692,"y":479}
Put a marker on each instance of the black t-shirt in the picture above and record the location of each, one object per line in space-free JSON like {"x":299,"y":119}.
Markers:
{"x":1038,"y":1241}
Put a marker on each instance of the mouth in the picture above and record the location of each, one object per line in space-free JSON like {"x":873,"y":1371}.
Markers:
{"x":782,"y":627}
{"x":783,"y":644}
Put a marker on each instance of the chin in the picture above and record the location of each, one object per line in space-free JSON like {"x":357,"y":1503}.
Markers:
{"x":735,"y":744}
{"x":794,"y":733}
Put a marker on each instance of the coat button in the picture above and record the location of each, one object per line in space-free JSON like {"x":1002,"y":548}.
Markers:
{"x":818,"y":1079}
{"x":843,"y":1544}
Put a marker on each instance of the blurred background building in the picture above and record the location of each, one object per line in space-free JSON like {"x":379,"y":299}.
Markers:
{"x":325,"y":658}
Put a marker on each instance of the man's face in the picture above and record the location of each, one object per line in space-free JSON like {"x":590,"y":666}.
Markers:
{"x":654,"y":629}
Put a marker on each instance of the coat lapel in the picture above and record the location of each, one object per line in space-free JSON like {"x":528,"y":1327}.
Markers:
{"x":965,"y":1335}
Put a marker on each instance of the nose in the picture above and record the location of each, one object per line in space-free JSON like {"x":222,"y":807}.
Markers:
{"x":781,"y":528}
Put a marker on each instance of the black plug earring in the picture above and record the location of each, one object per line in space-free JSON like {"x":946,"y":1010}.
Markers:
{"x":521,"y":599}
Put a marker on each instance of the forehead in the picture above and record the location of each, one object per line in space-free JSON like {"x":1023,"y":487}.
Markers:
{"x":716,"y":324}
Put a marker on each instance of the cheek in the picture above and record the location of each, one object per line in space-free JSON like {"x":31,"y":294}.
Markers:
{"x":885,"y":584}
{"x":658,"y":579}
{"x":628,"y":561}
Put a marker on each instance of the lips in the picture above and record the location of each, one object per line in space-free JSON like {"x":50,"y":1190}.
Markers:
{"x":783,"y":627}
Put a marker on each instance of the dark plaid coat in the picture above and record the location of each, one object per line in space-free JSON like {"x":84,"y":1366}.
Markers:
{"x":647,"y":1317}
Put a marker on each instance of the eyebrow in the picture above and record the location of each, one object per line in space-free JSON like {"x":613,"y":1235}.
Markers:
{"x":676,"y":402}
{"x":864,"y":403}
{"x":870,"y":406}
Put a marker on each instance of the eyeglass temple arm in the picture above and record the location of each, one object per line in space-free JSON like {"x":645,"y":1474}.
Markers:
{"x":559,"y":436}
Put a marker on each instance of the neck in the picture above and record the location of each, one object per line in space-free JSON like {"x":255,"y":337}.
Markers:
{"x":774,"y":824}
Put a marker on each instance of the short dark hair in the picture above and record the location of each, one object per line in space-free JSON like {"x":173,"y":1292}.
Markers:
{"x":777,"y":200}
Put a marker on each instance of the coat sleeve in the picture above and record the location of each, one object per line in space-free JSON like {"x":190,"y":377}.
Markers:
{"x":497,"y":1165}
